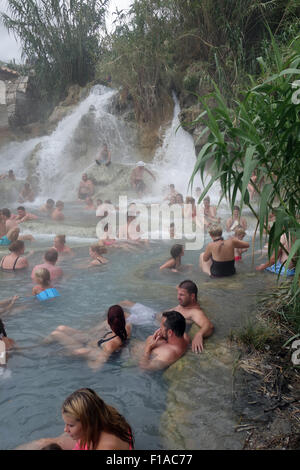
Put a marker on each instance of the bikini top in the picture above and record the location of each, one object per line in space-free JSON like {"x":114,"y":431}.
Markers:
{"x":103,"y":340}
{"x":49,"y":293}
{"x":9,"y":269}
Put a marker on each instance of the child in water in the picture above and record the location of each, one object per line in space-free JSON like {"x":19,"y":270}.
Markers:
{"x":174,"y":263}
{"x":239,"y":233}
{"x":43,"y":290}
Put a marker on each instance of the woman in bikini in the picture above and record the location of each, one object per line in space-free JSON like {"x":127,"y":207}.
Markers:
{"x":15,"y":261}
{"x":91,"y":423}
{"x":113,"y":336}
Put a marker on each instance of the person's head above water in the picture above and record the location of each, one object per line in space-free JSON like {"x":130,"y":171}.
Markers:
{"x":117,"y":322}
{"x":21,"y":211}
{"x":176,"y":251}
{"x":172,"y":323}
{"x":187,"y":292}
{"x":51,"y":255}
{"x":86,"y":416}
{"x":215,"y":231}
{"x":50,"y":203}
{"x":42,"y":276}
{"x":17,"y":247}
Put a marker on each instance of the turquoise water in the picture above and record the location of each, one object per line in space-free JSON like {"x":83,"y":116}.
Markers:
{"x":160,"y":407}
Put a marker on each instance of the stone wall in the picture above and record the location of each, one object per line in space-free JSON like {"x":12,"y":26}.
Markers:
{"x":17,"y":107}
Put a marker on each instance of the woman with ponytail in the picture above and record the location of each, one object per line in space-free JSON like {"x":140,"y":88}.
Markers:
{"x":114,"y":335}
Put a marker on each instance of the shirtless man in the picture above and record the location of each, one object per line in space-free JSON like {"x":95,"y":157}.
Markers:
{"x":24,"y":216}
{"x":104,"y":156}
{"x":57,"y":214}
{"x":188,"y":306}
{"x":172,"y":192}
{"x":50,"y":258}
{"x":86,"y":187}
{"x":210,"y":213}
{"x":10,"y":175}
{"x":136,"y":178}
{"x":167,"y":344}
{"x":10,"y":221}
{"x":48,"y":207}
{"x":218,"y":257}
{"x":27,"y":194}
{"x":235,"y":220}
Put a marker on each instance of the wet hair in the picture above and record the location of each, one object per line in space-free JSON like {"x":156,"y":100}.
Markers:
{"x":95,"y":416}
{"x":175,"y":322}
{"x":2,"y":329}
{"x":100,"y":250}
{"x":6,"y":212}
{"x":215,"y":231}
{"x":236,"y":208}
{"x":52,"y":446}
{"x":21,"y":208}
{"x":179,"y":196}
{"x":51,"y":255}
{"x":239,"y":230}
{"x":43,"y":276}
{"x":62,"y":238}
{"x":172,"y":186}
{"x":189,"y":286}
{"x":176,"y":250}
{"x":50,"y":202}
{"x":16,"y":246}
{"x":59,"y":203}
{"x":117,"y":322}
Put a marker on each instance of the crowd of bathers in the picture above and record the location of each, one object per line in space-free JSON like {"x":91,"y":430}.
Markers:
{"x":170,"y":341}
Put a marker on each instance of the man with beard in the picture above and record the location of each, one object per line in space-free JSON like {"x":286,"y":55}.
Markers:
{"x":189,"y":307}
{"x":167,"y":344}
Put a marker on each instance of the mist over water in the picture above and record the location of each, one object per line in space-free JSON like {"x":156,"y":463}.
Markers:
{"x":62,"y":160}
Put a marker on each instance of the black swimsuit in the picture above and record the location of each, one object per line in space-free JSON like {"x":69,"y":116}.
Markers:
{"x":222,"y":268}
{"x":11,"y":269}
{"x":102,"y":340}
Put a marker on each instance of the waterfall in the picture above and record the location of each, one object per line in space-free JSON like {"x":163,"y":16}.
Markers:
{"x":73,"y":146}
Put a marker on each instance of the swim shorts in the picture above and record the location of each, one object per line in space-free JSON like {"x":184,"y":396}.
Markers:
{"x":140,"y":314}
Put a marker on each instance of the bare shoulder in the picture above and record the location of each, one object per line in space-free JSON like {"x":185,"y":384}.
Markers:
{"x":111,"y":442}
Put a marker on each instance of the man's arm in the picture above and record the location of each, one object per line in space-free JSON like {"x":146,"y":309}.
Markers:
{"x":158,"y":361}
{"x":206,"y":330}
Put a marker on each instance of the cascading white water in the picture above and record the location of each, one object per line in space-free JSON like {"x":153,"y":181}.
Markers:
{"x":57,"y":166}
{"x":61,"y":161}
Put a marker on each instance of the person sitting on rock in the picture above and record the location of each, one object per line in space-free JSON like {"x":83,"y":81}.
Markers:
{"x":27,"y":193}
{"x":86,"y":187}
{"x":104,"y":156}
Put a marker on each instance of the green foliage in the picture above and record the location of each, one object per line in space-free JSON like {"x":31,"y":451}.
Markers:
{"x":138,"y":55}
{"x":256,"y":335}
{"x":155,"y":45}
{"x":59,"y":38}
{"x":261,"y":134}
